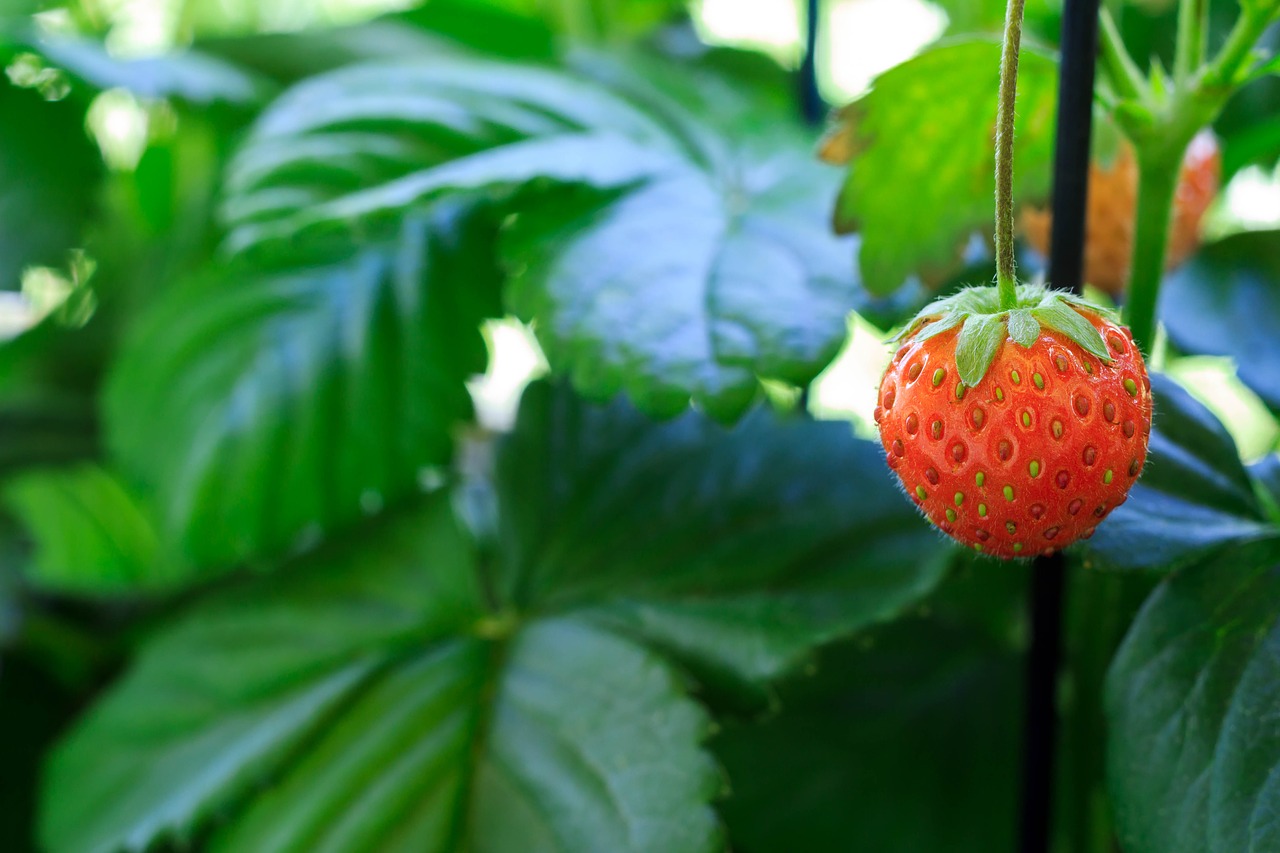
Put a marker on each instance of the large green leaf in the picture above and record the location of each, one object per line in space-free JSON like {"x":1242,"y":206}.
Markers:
{"x":667,"y":244}
{"x":922,"y":177}
{"x":905,"y":741}
{"x":1194,"y":752}
{"x":1194,"y":495}
{"x":90,"y":534}
{"x":49,"y":170}
{"x":266,"y":404}
{"x":221,"y":698}
{"x":1226,"y":301}
{"x":736,"y":550}
{"x":375,"y":697}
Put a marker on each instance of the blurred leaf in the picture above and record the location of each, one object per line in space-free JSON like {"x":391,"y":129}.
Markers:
{"x":650,"y":226}
{"x":376,"y":139}
{"x":923,"y":143}
{"x":90,"y":534}
{"x":1194,"y":494}
{"x":906,"y":741}
{"x":1191,"y":699}
{"x":1266,"y":474}
{"x":264,"y":404}
{"x":377,"y":698}
{"x":641,"y":523}
{"x":220,"y":699}
{"x":589,"y":744}
{"x":49,"y":171}
{"x":1226,"y":301}
{"x":33,"y":710}
{"x":189,"y":76}
{"x":439,"y":28}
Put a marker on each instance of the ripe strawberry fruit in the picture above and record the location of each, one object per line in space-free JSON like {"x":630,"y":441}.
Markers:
{"x":1015,"y":432}
{"x":1113,"y":196}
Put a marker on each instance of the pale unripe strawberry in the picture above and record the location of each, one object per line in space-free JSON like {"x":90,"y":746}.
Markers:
{"x":1113,"y":195}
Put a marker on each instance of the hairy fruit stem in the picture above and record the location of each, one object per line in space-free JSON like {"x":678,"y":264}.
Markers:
{"x":1006,"y":278}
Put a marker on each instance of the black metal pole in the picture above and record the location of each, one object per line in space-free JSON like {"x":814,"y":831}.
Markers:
{"x":811,"y":106}
{"x":1066,"y":262}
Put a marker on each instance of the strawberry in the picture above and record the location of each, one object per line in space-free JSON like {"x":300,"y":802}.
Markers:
{"x":1113,"y":193}
{"x":1016,"y":432}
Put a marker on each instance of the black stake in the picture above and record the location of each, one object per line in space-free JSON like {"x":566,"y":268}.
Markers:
{"x":812,"y":108}
{"x":1048,"y":581}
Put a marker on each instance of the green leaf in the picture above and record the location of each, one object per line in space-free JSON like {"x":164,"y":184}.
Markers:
{"x":1194,"y":494}
{"x":590,"y":744}
{"x":48,"y":168}
{"x":372,"y":695}
{"x":359,"y":688}
{"x":1226,"y":301}
{"x":647,"y":223}
{"x":187,"y":76}
{"x":217,"y":701}
{"x":269,"y":404}
{"x":439,"y":28}
{"x":91,"y":536}
{"x":921,"y":180}
{"x":1191,"y":700}
{"x":1023,"y":328}
{"x":980,"y":339}
{"x":813,"y":557}
{"x":907,"y":739}
{"x":377,"y":138}
{"x":1061,"y":317}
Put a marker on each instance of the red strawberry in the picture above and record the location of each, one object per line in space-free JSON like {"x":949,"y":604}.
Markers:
{"x":1113,"y":196}
{"x":1016,"y":432}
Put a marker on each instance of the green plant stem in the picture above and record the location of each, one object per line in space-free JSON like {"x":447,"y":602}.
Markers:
{"x":1122,"y":71}
{"x":1005,"y":273}
{"x":1157,"y":182}
{"x":1193,"y":25}
{"x":1226,"y":68}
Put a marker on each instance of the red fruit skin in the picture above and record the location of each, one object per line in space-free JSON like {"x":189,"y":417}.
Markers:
{"x":958,"y":454}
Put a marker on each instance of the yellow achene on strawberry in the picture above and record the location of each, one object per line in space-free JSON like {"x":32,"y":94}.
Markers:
{"x":1112,"y":203}
{"x":1015,"y":431}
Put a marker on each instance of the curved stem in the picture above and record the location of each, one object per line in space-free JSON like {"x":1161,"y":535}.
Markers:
{"x":1125,"y":76}
{"x":1005,"y":273}
{"x":1193,"y":25}
{"x":1157,"y":182}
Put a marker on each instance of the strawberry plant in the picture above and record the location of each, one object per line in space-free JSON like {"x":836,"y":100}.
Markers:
{"x":302,"y":552}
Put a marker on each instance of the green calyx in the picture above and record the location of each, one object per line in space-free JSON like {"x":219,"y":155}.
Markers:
{"x":985,"y":326}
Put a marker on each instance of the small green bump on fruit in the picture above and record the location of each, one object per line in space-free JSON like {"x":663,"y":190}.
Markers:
{"x":982,"y":510}
{"x":1008,"y":493}
{"x":951,"y":515}
{"x":921,"y":493}
{"x":1013,"y":375}
{"x":959,"y":498}
{"x":1034,"y":468}
{"x":1088,"y":368}
{"x":939,"y":375}
{"x":980,"y":478}
{"x":1017,"y":546}
{"x":1026,"y":419}
{"x":1106,"y":478}
{"x":999,"y":395}
{"x":1039,"y":380}
{"x":960,"y":389}
{"x":977,"y":546}
{"x":1131,"y":387}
